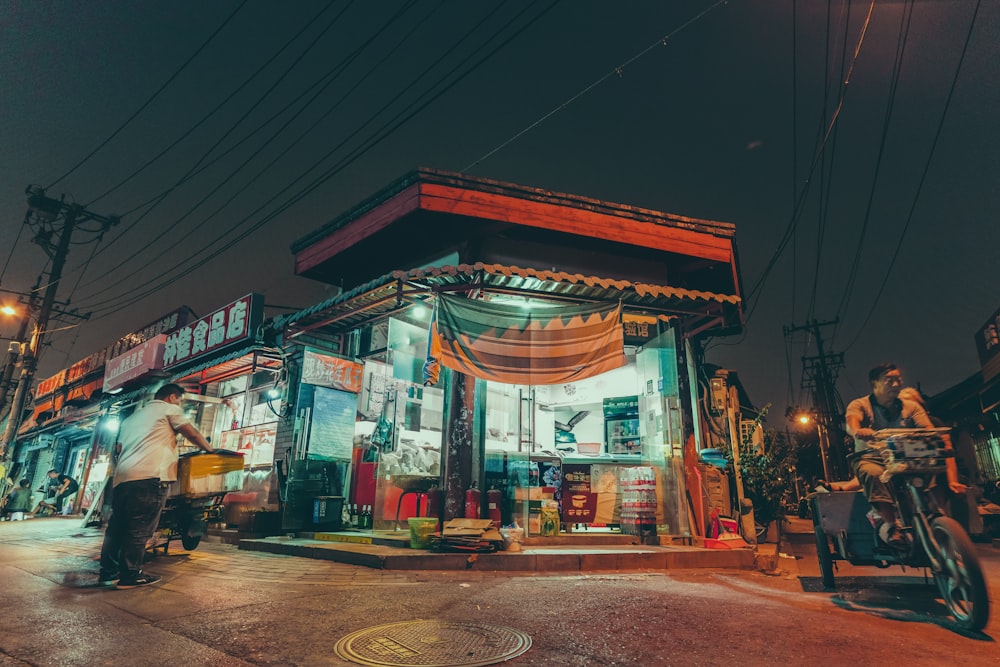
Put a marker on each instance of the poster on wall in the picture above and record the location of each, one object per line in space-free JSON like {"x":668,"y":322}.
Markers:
{"x":263,"y":447}
{"x":229,"y":440}
{"x":332,"y":433}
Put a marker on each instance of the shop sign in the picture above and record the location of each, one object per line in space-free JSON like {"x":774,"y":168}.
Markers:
{"x":85,"y":391}
{"x":226,"y":326}
{"x":166,"y":325}
{"x":639,"y":329}
{"x":50,"y":384}
{"x":134,"y":363}
{"x":329,"y":371}
{"x":988,"y":346}
{"x":86,"y":366}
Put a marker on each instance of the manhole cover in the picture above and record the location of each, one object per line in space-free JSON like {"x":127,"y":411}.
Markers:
{"x":430,"y":643}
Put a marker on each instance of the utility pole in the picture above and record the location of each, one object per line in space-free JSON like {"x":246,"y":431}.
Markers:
{"x":15,"y":350}
{"x":819,"y":374}
{"x":45,"y":211}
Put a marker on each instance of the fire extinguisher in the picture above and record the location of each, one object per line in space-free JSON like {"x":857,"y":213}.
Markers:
{"x":493,"y":505}
{"x":473,"y":497}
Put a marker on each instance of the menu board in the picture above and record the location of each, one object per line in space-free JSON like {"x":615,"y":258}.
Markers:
{"x":332,"y":433}
{"x":579,"y":504}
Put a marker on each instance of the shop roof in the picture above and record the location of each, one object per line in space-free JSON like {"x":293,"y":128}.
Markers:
{"x":400,"y":289}
{"x":428,"y":215}
{"x":247,"y":359}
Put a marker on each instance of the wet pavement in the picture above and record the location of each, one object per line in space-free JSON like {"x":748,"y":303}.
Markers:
{"x":219,"y":605}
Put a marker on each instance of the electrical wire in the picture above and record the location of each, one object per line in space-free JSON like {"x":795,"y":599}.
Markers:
{"x":153,"y":96}
{"x":380,"y":135}
{"x":923,"y":179}
{"x":308,"y":23}
{"x":617,"y":71}
{"x":756,"y":289}
{"x":906,"y":18}
{"x":171,"y":228}
{"x":827,"y":181}
{"x":13,"y":246}
{"x":163,"y":195}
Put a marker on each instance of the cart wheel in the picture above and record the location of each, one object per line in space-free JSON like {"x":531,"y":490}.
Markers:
{"x":190,"y":542}
{"x":825,"y":557}
{"x":961,"y":579}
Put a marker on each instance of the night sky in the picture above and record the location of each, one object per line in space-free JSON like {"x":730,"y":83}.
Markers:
{"x":293,"y":112}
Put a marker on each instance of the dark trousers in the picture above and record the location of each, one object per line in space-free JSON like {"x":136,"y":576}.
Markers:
{"x":135,"y":512}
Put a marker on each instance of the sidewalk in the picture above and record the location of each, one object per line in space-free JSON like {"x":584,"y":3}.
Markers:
{"x":566,"y":553}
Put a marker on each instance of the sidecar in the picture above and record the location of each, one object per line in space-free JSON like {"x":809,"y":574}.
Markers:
{"x":843,"y":532}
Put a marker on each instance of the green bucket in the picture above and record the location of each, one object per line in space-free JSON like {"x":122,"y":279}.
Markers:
{"x":421,"y":530}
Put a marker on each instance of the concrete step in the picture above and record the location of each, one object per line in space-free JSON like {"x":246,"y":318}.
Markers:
{"x":579,"y":557}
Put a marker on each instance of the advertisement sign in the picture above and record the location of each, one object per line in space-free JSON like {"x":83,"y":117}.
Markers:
{"x":50,"y":384}
{"x":255,"y":443}
{"x":579,"y":502}
{"x":227,"y":326}
{"x":84,"y":392}
{"x":165,"y":325}
{"x":134,"y":363}
{"x":86,"y":366}
{"x":325,"y":370}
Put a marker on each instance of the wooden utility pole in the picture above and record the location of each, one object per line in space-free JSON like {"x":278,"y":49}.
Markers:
{"x":45,"y":210}
{"x":819,"y":374}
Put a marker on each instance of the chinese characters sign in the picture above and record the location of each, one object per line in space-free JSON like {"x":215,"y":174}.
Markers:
{"x":166,"y":324}
{"x":231,"y":324}
{"x":327,"y":371}
{"x":136,"y":362}
{"x":49,"y":385}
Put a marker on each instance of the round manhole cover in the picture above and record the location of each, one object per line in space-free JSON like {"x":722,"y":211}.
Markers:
{"x":433,"y":643}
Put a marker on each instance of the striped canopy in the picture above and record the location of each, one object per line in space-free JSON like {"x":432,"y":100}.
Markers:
{"x":512,"y":344}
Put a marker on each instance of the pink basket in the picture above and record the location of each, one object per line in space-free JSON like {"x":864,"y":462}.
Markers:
{"x":588,"y":448}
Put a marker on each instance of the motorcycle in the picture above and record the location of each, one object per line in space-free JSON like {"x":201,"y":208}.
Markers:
{"x":914,"y":459}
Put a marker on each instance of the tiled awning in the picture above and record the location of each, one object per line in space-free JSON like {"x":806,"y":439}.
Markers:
{"x":246,"y":359}
{"x":399,"y":289}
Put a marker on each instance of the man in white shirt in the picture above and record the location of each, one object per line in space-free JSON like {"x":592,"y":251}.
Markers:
{"x":147,"y":465}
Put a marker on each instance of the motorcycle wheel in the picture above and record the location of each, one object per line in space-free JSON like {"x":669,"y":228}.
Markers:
{"x":825,"y":557}
{"x":189,"y":542}
{"x":960,"y":579}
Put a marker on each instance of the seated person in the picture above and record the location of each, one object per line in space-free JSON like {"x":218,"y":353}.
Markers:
{"x":64,"y":487}
{"x":880,"y":410}
{"x":19,"y":501}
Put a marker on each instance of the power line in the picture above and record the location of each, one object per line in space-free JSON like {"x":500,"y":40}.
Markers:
{"x":894,"y":83}
{"x":163,"y":195}
{"x":923,"y":179}
{"x":170,"y":228}
{"x":754,"y":292}
{"x":211,"y":113}
{"x":616,"y":71}
{"x":153,"y":97}
{"x":380,"y":135}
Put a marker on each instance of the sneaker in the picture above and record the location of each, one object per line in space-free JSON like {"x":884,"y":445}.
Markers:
{"x":107,"y":580}
{"x":142,"y":580}
{"x":892,"y":536}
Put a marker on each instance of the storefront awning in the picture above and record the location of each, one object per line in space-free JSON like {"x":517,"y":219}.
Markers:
{"x":249,"y":359}
{"x":698,"y":310}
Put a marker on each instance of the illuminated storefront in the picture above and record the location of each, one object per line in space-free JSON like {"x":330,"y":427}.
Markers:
{"x":531,"y":421}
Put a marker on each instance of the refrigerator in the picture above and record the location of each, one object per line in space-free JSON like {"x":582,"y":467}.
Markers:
{"x":621,"y":425}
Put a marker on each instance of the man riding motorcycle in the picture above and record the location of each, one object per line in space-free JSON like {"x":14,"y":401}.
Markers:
{"x":882,"y":409}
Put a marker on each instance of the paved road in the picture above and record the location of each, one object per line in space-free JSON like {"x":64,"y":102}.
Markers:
{"x":221,"y":606}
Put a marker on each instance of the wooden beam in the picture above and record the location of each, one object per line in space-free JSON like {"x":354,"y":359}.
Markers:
{"x":353,"y":232}
{"x":583,"y":222}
